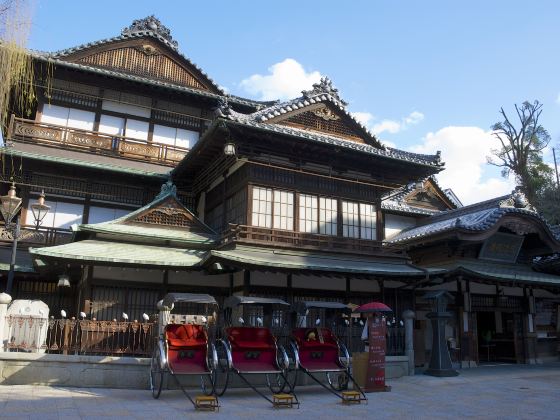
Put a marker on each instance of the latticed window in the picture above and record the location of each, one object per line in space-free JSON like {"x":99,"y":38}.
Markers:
{"x":262,"y":207}
{"x":350,"y":220}
{"x":367,"y":221}
{"x":358,"y":220}
{"x":328,"y":214}
{"x":273,"y":208}
{"x":308,"y":214}
{"x":283,"y":210}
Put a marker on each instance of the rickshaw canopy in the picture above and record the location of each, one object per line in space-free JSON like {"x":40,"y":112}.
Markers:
{"x":302,"y":306}
{"x":234,"y":301}
{"x":172,"y":298}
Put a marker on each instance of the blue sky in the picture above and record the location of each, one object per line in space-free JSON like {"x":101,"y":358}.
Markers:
{"x":425,"y":75}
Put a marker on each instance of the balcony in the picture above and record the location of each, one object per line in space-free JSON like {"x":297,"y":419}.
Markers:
{"x":251,"y":235}
{"x":29,"y":131}
{"x":30,"y":236}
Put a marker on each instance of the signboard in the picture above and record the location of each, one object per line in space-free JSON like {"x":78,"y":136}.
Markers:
{"x":375,"y":380}
{"x":501,"y":247}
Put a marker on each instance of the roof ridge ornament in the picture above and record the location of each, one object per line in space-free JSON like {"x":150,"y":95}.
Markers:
{"x":151,"y":24}
{"x":167,"y":189}
{"x":324,"y":86}
{"x":517,"y":200}
{"x":223,"y":109}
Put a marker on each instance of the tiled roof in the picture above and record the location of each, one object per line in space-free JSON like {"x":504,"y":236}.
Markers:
{"x":146,"y":80}
{"x":504,"y":272}
{"x":316,"y":261}
{"x":477,"y":217}
{"x":395,"y":200}
{"x":71,"y":157}
{"x":125,"y":226}
{"x":122,"y":253}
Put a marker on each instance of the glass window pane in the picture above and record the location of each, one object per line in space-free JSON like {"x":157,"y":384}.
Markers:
{"x":186,"y":138}
{"x":165,"y":135}
{"x":53,"y":114}
{"x":283,"y":210}
{"x":328,"y":216}
{"x":308,"y":221}
{"x":262,"y":209}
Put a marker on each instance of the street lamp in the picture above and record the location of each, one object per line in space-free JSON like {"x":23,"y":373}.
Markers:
{"x":10,"y":207}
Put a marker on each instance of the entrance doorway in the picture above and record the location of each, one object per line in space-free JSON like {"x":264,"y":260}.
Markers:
{"x":497,"y":333}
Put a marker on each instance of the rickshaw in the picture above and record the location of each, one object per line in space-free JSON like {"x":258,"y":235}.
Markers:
{"x":249,"y":348}
{"x":316,"y":349}
{"x":183,"y":347}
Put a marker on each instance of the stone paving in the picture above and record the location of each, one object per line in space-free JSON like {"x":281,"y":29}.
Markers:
{"x":488,"y":392}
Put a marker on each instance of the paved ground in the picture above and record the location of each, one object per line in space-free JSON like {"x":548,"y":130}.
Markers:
{"x":487,"y":392}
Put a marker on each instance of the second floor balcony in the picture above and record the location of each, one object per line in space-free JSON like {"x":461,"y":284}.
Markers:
{"x":31,"y":236}
{"x":30,"y":131}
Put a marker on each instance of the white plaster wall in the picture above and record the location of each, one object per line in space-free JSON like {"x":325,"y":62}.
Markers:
{"x":395,"y":224}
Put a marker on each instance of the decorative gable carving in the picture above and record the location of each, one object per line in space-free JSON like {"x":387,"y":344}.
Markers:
{"x":324,"y":119}
{"x":425,"y":195}
{"x":169,"y":213}
{"x":143,"y":57}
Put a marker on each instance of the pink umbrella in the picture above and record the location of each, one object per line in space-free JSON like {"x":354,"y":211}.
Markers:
{"x":373,"y":307}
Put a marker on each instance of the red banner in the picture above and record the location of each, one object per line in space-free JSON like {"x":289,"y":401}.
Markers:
{"x":375,"y":380}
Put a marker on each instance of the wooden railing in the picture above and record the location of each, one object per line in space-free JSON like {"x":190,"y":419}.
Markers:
{"x":29,"y":235}
{"x":113,"y":145}
{"x":252,"y":235}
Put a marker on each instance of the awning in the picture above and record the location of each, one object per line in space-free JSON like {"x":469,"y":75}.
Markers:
{"x":107,"y":252}
{"x":301,"y":306}
{"x":287,"y":260}
{"x":499,"y":271}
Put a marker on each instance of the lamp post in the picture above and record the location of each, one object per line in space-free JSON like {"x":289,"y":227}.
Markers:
{"x":10,"y":207}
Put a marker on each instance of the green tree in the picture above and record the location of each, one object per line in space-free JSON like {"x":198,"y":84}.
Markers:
{"x":521,"y":149}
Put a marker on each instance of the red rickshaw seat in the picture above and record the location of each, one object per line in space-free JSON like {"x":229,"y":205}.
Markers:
{"x":187,"y":348}
{"x":252,"y":348}
{"x":314,"y":354}
{"x":186,"y":336}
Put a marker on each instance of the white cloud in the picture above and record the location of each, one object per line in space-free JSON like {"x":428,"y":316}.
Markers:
{"x":464,"y":151}
{"x":364,"y":117}
{"x":392,"y":126}
{"x":285,"y":80}
{"x":558,"y":99}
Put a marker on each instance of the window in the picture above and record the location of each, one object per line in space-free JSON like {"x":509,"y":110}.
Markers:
{"x":350,"y":220}
{"x":262,"y":207}
{"x":105,"y":214}
{"x":68,"y":117}
{"x":367,"y":221}
{"x":63,"y":214}
{"x":265,"y":200}
{"x":328,"y":213}
{"x":308,"y":214}
{"x":175,"y":136}
{"x":283,"y":210}
{"x":358,"y":220}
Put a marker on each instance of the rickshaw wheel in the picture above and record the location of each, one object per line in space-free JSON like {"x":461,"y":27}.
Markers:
{"x":156,"y":374}
{"x":338,"y":380}
{"x":221,"y":373}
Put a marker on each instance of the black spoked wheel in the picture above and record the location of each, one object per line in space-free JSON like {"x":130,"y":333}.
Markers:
{"x":291,"y":373}
{"x":221,"y":373}
{"x":156,"y":374}
{"x":338,"y":380}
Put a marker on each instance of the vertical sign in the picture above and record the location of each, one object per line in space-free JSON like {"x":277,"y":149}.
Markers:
{"x":375,"y":380}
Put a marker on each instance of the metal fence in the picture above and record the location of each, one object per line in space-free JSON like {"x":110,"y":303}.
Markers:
{"x":83,"y":337}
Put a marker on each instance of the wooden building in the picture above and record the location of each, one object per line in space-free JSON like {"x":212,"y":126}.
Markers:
{"x":294,"y":200}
